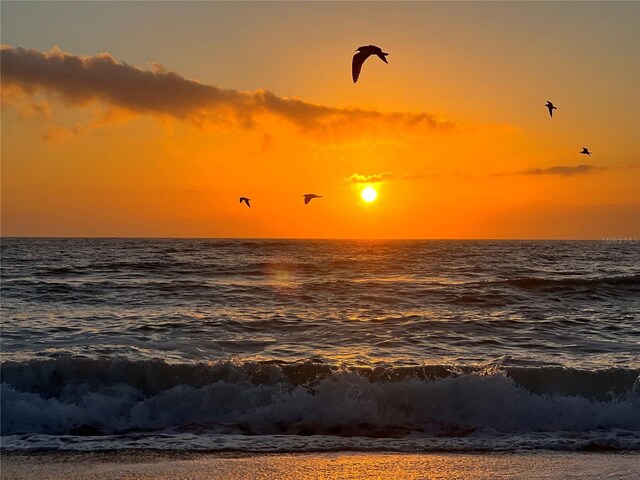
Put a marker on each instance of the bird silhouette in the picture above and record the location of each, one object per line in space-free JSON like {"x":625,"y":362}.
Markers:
{"x":310,"y":196}
{"x":364,"y":53}
{"x":551,"y":108}
{"x":245,"y":200}
{"x":585,"y":151}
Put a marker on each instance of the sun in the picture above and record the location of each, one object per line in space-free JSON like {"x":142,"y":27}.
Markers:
{"x":369,"y":194}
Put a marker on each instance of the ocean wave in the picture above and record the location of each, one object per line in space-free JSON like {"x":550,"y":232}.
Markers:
{"x":614,"y":441}
{"x":72,"y":396}
{"x":558,"y":284}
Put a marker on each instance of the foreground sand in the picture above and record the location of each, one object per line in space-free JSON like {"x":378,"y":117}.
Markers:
{"x":343,"y":465}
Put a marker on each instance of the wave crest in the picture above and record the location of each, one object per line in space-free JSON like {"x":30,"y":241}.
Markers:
{"x":116,"y":396}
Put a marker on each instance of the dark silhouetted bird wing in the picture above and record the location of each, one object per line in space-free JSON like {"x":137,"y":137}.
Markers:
{"x":310,"y":196}
{"x":245,"y":200}
{"x":551,"y":108}
{"x":356,"y":64}
{"x":586,"y":151}
{"x":382,"y":56}
{"x":364,"y":53}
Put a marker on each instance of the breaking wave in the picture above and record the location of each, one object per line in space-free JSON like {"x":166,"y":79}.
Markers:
{"x":88,"y":397}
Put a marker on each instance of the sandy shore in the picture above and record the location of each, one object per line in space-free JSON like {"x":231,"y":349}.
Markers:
{"x":343,"y":465}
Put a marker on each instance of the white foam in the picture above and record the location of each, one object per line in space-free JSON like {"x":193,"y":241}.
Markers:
{"x":345,"y":403}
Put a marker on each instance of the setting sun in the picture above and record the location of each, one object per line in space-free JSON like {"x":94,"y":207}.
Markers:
{"x":369,"y":194}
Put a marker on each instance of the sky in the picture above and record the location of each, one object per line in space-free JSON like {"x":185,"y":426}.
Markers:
{"x":151,"y":119}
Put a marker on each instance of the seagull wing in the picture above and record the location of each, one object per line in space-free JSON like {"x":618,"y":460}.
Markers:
{"x":356,"y":64}
{"x":382,"y":56}
{"x":307,"y":199}
{"x":551,"y":111}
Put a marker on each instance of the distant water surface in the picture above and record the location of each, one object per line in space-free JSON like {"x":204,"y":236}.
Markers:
{"x":268,"y":345}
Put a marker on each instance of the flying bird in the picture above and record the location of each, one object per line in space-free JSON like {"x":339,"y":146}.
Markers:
{"x":551,"y":108}
{"x":364,"y":53}
{"x":585,"y":151}
{"x":310,"y":196}
{"x":245,"y":200}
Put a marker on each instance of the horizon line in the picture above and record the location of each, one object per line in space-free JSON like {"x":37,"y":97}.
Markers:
{"x":105,"y":237}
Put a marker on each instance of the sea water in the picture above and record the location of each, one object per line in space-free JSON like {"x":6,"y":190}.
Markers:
{"x":313,"y":345}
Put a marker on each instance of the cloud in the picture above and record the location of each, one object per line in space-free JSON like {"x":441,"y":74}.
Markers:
{"x":356,"y":178}
{"x":563,"y":170}
{"x":24,"y":106}
{"x":83,"y":80}
{"x":566,"y":170}
{"x":60,"y":134}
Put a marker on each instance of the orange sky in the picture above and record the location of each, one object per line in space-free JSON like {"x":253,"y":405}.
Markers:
{"x":98,"y":139}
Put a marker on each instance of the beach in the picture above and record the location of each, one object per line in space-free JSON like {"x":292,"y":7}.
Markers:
{"x":342,"y":465}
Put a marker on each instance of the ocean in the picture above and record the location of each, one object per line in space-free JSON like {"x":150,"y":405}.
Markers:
{"x":314,"y":345}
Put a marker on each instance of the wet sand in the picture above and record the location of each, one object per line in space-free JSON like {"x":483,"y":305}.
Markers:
{"x":341,"y":465}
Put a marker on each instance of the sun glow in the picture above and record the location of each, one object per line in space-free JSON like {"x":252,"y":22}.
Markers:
{"x":369,"y":194}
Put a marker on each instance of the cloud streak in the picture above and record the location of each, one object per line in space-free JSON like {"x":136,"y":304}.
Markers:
{"x":356,"y":178}
{"x":84,"y":80}
{"x":563,"y":170}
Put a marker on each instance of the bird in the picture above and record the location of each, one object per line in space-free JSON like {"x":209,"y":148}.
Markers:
{"x":585,"y":151}
{"x":310,"y":196}
{"x":245,"y":200}
{"x":364,"y":53}
{"x":551,"y":108}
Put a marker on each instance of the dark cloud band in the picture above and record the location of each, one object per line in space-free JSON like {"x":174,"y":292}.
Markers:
{"x":80,"y":80}
{"x":563,"y":170}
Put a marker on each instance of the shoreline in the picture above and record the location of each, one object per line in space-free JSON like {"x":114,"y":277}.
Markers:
{"x":153,"y":464}
{"x":141,"y":454}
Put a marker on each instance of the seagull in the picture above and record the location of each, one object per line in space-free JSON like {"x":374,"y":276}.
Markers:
{"x":585,"y":151}
{"x":362,"y":55}
{"x":310,"y":196}
{"x":551,"y":108}
{"x":245,"y":200}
